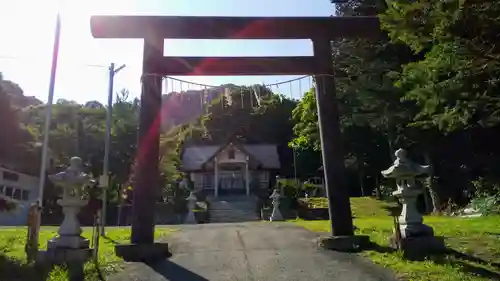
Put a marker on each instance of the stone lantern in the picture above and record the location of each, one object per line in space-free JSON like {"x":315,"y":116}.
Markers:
{"x":184,"y":184}
{"x":415,"y":235}
{"x":69,"y":247}
{"x":72,"y":180}
{"x":191,"y":219}
{"x":278,"y":185}
{"x":276,"y":214}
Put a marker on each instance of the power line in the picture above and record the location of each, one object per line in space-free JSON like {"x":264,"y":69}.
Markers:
{"x":28,"y":59}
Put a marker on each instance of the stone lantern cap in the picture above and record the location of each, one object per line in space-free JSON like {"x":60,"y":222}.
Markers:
{"x":275,"y":194}
{"x":72,"y":179}
{"x":404,"y":167}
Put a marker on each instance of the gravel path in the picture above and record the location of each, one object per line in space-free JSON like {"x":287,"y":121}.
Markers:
{"x":252,"y":251}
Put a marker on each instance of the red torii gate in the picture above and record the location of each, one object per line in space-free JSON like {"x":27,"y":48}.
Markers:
{"x":321,"y":30}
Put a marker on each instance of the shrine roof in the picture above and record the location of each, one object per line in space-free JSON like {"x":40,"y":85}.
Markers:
{"x":194,"y":157}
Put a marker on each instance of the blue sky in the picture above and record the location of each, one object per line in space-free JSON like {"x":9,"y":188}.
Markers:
{"x":27,"y":38}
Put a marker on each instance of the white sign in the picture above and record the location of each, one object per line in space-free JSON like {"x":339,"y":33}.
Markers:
{"x":104,"y":181}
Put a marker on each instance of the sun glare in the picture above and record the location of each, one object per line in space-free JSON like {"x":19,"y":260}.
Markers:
{"x":28,"y":38}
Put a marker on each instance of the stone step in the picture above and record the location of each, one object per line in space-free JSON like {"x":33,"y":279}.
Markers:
{"x":232,"y":199}
{"x":231,"y":213}
{"x":233,"y":209}
{"x":213,"y":214}
{"x":235,"y":203}
{"x":238,"y":218}
{"x":232,"y":206}
{"x":251,"y":209}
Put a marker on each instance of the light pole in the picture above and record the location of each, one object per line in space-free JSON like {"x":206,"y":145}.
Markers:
{"x":104,"y":181}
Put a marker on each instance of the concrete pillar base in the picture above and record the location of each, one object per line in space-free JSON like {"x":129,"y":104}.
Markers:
{"x":143,"y":252}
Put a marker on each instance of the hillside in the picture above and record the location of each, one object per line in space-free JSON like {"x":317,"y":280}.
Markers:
{"x":182,"y":108}
{"x":16,"y":95}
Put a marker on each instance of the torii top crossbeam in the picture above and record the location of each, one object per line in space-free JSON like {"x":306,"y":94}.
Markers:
{"x":156,"y":28}
{"x":184,"y":27}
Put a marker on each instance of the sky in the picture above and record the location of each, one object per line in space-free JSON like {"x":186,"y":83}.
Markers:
{"x":82,"y":75}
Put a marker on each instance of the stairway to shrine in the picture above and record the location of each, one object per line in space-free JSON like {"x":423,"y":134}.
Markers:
{"x":233,"y":209}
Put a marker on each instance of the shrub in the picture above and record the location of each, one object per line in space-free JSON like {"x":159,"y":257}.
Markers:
{"x":7,"y":204}
{"x":487,"y":205}
{"x":313,"y":203}
{"x":486,"y":197}
{"x":295,"y":189}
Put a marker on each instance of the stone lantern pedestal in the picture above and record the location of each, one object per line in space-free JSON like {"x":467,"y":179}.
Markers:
{"x":70,"y":230}
{"x":415,"y":238}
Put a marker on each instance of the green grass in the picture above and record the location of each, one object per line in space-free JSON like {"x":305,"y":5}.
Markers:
{"x":478,"y":239}
{"x":13,"y":265}
{"x":361,"y":207}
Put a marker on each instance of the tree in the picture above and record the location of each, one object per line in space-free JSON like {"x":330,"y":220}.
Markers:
{"x":373,"y":118}
{"x":455,"y":82}
{"x":306,"y":129}
{"x":93,"y":104}
{"x":9,"y":122}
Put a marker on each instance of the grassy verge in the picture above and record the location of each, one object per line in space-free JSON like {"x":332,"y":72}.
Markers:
{"x":13,"y":264}
{"x":475,"y":243}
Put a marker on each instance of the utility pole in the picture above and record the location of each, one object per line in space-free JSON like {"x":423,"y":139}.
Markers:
{"x":48,"y":116}
{"x":294,"y":163}
{"x":77,"y":130}
{"x":104,"y":181}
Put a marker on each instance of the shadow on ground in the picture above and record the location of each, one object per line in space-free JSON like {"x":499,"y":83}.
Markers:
{"x":471,"y":258}
{"x":14,"y":270}
{"x":471,"y":264}
{"x":380,"y":249}
{"x":466,"y":263}
{"x":174,"y":272}
{"x":111,"y":240}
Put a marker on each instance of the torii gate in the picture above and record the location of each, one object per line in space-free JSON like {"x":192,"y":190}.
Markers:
{"x":154,"y":29}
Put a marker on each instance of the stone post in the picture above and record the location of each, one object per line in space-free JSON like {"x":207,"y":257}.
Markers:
{"x":191,"y":219}
{"x":417,"y":238}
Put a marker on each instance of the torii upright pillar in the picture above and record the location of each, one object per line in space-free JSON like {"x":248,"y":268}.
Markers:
{"x":146,"y":178}
{"x":339,"y":208}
